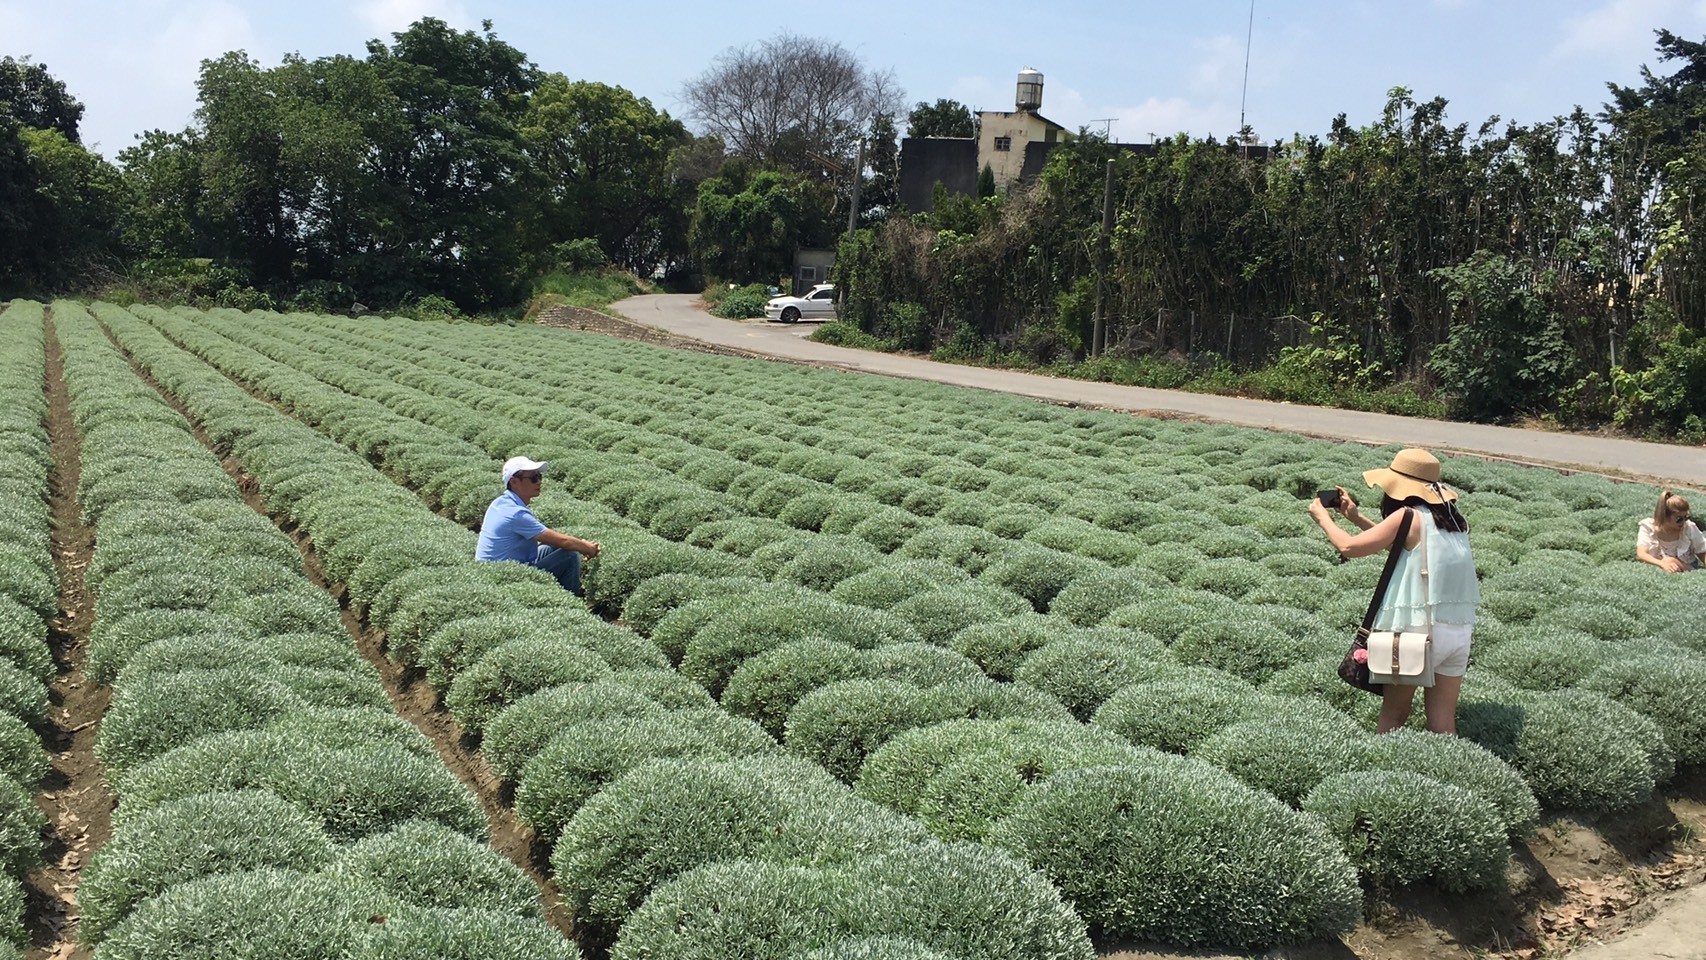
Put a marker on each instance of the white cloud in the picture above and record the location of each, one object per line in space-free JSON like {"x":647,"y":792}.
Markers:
{"x":394,"y":16}
{"x":1622,"y":29}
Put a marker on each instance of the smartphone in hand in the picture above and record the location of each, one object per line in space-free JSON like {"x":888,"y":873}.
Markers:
{"x":1328,"y":498}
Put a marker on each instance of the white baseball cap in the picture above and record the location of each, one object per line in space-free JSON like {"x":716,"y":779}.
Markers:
{"x":515,"y":465}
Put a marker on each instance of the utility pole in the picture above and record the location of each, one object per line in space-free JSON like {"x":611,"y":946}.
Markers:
{"x":858,"y":178}
{"x":1099,"y":333}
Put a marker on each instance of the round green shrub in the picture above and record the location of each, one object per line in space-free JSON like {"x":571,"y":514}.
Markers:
{"x":976,"y":788}
{"x":523,"y":728}
{"x":194,"y":837}
{"x":271,"y":913}
{"x":23,"y":640}
{"x":653,"y":600}
{"x":666,"y":817}
{"x":1245,"y":647}
{"x":146,"y":721}
{"x":1287,"y":759}
{"x":896,"y":774}
{"x":579,"y":761}
{"x":876,"y":948}
{"x":767,"y":687}
{"x":215,"y":651}
{"x":1666,"y":688}
{"x":965,"y":900}
{"x":1088,"y":600}
{"x":1083,"y":672}
{"x":969,"y":548}
{"x":1554,"y":659}
{"x":838,"y":725}
{"x":1460,"y":763}
{"x":1576,"y":749}
{"x":887,"y":584}
{"x":824,"y":561}
{"x":1165,"y":615}
{"x":920,"y":664}
{"x":354,"y":791}
{"x":999,"y":647}
{"x":1176,"y":714}
{"x":938,"y":614}
{"x":1400,"y":827}
{"x":515,"y":669}
{"x":747,"y":627}
{"x":21,"y":825}
{"x":1038,"y":574}
{"x":735,"y":908}
{"x":114,"y":640}
{"x":22,"y":757}
{"x":429,"y":865}
{"x":1175,"y":851}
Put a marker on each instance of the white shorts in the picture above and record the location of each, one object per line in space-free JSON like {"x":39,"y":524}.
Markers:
{"x":1451,"y":648}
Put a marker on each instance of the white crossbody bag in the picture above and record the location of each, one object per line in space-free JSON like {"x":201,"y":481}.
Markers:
{"x":1406,"y":658}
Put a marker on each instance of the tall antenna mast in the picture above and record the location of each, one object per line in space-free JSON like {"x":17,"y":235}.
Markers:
{"x":1249,"y":34}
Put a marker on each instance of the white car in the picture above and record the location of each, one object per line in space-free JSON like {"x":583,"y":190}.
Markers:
{"x":817,"y":304}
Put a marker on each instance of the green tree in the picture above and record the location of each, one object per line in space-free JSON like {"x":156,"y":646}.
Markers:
{"x":879,"y":195}
{"x":944,"y":118}
{"x":37,"y":99}
{"x":748,"y":221}
{"x":986,"y":182}
{"x":603,"y":156}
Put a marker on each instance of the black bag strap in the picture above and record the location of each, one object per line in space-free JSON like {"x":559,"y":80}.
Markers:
{"x":1398,"y":546}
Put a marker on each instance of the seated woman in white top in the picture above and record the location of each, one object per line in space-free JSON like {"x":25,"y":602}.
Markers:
{"x":1668,"y":539}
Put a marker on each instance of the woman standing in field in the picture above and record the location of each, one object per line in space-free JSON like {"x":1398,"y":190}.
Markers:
{"x":1669,"y":539}
{"x":1445,"y":605}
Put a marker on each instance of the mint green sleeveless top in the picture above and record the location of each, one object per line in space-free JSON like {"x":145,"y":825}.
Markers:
{"x":1455,"y":591}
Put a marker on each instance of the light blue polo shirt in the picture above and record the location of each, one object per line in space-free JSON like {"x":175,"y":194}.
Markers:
{"x":508,"y":530}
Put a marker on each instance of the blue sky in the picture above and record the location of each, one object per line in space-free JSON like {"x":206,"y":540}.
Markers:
{"x":1156,"y":67}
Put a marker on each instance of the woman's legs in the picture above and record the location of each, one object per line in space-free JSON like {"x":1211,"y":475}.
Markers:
{"x":1395,"y":707}
{"x":1440,"y":701}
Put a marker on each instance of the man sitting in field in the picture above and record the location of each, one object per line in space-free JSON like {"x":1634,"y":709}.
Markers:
{"x":510,"y":531}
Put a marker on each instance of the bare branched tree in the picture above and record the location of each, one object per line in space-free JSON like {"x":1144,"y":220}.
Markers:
{"x":790,"y":100}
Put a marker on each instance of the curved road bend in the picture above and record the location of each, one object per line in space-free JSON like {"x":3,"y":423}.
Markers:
{"x":1684,"y":466}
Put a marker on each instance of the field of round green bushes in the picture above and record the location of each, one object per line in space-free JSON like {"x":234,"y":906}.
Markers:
{"x":855,"y":647}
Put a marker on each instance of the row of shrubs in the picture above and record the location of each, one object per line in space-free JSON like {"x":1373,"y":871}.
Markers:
{"x":270,"y":801}
{"x":1268,"y":565}
{"x":842,"y":722}
{"x":29,"y":597}
{"x":560,"y":696}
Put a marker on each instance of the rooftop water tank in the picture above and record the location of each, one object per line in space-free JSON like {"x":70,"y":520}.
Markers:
{"x":1030,"y":93}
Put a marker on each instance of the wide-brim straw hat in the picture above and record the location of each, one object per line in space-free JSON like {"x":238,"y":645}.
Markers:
{"x":1414,"y":473}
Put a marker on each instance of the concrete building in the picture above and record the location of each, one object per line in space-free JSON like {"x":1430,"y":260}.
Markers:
{"x":1011,"y":143}
{"x":1003,"y":139}
{"x":1014,"y":145}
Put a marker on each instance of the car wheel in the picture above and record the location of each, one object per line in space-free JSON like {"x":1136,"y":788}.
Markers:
{"x":791,"y":315}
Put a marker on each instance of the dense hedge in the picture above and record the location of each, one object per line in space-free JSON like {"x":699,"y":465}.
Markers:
{"x":29,"y":595}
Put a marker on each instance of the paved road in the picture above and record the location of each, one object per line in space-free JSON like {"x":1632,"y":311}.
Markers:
{"x":1684,"y":466}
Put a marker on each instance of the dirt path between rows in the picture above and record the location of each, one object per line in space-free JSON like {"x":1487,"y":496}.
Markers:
{"x":410,"y":694}
{"x":74,"y":796}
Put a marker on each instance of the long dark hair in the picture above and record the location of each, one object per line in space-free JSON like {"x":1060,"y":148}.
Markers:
{"x":1446,"y":515}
